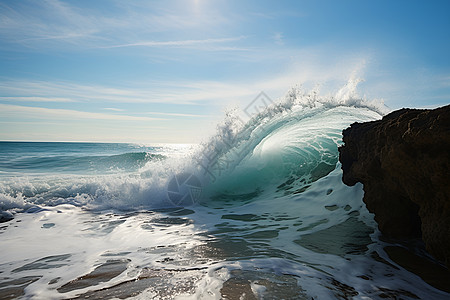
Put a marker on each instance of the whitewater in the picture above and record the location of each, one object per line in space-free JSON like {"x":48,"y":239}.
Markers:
{"x":257,"y":211}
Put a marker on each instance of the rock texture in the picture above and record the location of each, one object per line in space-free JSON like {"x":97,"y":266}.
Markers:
{"x":403,"y":162}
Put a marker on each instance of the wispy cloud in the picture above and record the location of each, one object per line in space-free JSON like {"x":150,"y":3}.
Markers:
{"x":113,"y":109}
{"x":154,"y":91}
{"x":25,"y":22}
{"x":278,"y":14}
{"x":35,"y":99}
{"x":53,"y":23}
{"x":47,"y":91}
{"x":278,"y":38}
{"x":187,"y":92}
{"x":180,"y":43}
{"x":17,"y":111}
{"x":176,"y":114}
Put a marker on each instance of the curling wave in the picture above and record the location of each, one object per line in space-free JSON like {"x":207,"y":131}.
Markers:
{"x":279,"y":151}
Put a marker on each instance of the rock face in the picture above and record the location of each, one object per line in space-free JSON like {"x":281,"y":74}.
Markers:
{"x":403,"y":161}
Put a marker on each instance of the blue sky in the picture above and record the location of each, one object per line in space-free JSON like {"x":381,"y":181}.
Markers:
{"x":165,"y":71}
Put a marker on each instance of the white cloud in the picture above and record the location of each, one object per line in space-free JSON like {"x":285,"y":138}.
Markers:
{"x":35,"y":99}
{"x":183,"y":43}
{"x":306,"y":68}
{"x":17,"y":111}
{"x":113,"y":109}
{"x":45,"y":20}
{"x":176,"y":114}
{"x":55,"y":24}
{"x":278,"y":38}
{"x":154,"y":91}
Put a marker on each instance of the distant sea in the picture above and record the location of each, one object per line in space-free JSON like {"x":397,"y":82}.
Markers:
{"x":258,"y":211}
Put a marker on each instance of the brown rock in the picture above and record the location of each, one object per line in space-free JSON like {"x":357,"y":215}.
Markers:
{"x":403,"y":161}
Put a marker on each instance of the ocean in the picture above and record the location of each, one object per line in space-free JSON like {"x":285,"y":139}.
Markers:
{"x":257,"y":211}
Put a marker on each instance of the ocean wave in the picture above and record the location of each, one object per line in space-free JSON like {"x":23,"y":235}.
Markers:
{"x":280,"y":151}
{"x":288,"y":144}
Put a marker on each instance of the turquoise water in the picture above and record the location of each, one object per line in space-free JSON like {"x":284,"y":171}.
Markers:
{"x":76,"y":158}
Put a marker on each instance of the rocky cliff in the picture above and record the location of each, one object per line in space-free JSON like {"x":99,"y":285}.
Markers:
{"x":403,"y":162}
